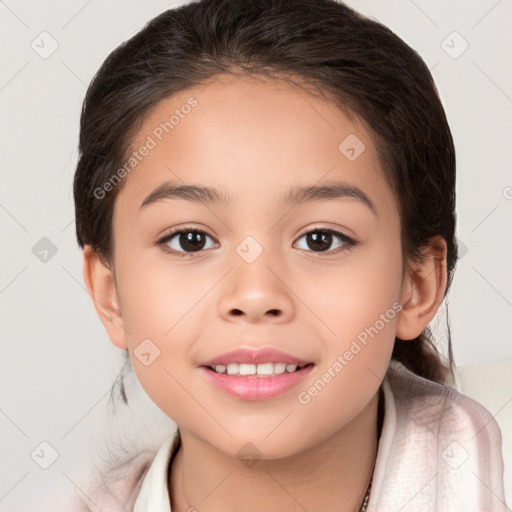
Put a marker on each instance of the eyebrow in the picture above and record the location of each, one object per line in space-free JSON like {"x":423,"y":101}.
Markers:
{"x":295,"y":196}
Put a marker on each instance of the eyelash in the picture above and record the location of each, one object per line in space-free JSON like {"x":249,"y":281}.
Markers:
{"x":348,"y":242}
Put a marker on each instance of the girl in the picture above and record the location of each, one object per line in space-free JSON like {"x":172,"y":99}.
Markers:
{"x":265,"y":199}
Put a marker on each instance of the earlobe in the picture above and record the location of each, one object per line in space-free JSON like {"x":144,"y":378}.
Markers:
{"x":423,"y":290}
{"x":100,"y":283}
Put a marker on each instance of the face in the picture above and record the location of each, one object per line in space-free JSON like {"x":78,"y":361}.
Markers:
{"x":261,"y":271}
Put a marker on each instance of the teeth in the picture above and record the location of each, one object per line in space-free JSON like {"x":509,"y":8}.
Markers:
{"x":264,"y":369}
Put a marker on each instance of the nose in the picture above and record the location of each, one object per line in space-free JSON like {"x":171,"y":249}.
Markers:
{"x":257,"y":292}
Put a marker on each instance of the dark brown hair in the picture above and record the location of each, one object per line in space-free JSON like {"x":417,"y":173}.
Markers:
{"x":356,"y":62}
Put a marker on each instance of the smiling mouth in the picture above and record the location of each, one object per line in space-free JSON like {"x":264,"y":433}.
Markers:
{"x":257,"y":370}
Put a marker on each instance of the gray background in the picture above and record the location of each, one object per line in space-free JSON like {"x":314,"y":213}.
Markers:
{"x":57,"y":364}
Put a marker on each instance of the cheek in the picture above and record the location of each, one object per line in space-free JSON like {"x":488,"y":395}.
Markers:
{"x":354,"y":295}
{"x":162,"y":309}
{"x":359,"y":308}
{"x":156,"y":302}
{"x":363,"y":318}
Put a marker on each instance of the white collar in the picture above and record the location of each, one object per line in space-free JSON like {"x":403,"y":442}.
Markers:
{"x":154,"y":492}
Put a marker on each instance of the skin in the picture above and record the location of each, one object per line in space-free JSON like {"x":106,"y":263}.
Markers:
{"x":256,"y":140}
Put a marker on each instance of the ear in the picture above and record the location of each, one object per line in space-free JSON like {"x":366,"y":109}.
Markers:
{"x":423,"y":290}
{"x":100,"y":282}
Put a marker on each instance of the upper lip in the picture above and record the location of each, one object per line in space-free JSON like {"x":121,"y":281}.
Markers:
{"x":245,"y":355}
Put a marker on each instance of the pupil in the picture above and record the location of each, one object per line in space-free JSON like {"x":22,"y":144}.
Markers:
{"x":191,"y":241}
{"x":322,"y":241}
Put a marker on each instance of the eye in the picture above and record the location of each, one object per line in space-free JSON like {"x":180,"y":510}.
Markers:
{"x":322,"y":238}
{"x":190,"y":239}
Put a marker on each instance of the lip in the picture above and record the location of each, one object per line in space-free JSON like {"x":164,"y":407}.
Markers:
{"x":250,"y":387}
{"x":245,"y":355}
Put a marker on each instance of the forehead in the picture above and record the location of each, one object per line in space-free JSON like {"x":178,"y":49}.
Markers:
{"x":254,"y":139}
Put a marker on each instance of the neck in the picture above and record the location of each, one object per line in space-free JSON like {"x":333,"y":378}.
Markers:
{"x":332,"y":475}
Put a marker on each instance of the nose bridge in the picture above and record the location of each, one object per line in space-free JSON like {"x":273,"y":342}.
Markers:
{"x":256,"y":287}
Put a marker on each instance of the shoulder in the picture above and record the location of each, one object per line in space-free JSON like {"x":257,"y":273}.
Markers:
{"x":437,"y":446}
{"x":439,"y":407}
{"x":114,"y":489}
{"x":137,"y":482}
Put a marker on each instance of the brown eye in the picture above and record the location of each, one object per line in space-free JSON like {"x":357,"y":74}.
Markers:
{"x":185,"y":241}
{"x":321,"y":240}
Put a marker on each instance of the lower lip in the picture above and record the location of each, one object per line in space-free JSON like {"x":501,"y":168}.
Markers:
{"x":257,"y":388}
